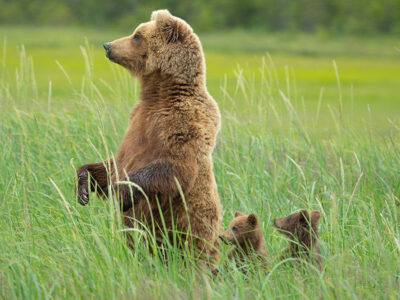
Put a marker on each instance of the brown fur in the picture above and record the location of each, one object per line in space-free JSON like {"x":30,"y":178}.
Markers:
{"x":245,"y":234}
{"x":170,"y":136}
{"x":302,"y":229}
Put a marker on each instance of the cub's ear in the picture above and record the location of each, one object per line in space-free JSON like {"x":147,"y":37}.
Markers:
{"x":304,"y":217}
{"x":238,"y":214}
{"x":252,"y":219}
{"x":315,"y":216}
{"x":167,"y":24}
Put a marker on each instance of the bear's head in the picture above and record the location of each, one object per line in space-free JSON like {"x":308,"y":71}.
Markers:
{"x":299,"y":226}
{"x":165,"y":44}
{"x":243,"y":230}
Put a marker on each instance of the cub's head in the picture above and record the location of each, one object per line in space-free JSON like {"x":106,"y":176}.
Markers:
{"x":165,"y":44}
{"x":242,"y":229}
{"x":299,"y":225}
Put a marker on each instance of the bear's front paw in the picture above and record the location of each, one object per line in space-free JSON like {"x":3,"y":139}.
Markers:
{"x":82,"y":191}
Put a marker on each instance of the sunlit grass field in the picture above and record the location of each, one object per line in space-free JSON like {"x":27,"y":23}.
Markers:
{"x":368,"y":69}
{"x":308,"y":122}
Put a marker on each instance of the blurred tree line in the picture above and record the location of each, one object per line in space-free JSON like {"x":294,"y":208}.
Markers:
{"x":342,"y":16}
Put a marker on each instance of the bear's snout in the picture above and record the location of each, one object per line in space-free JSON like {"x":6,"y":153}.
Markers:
{"x":107,"y":47}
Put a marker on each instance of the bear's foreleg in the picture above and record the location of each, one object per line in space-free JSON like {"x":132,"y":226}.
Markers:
{"x":157,"y":178}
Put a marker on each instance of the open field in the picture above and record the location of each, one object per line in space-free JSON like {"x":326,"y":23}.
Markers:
{"x":297,"y":132}
{"x":368,"y":68}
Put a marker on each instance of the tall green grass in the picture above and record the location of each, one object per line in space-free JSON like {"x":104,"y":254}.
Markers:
{"x":275,"y":154}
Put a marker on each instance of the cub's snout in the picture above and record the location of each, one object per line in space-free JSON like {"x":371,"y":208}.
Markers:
{"x":223,"y":239}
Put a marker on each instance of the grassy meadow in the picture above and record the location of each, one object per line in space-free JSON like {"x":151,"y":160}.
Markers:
{"x":308,"y":122}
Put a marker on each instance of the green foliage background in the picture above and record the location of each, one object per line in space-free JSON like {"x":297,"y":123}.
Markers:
{"x":354,"y":16}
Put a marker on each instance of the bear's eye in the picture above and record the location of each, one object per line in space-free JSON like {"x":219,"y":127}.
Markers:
{"x":234,"y":228}
{"x":136,"y":37}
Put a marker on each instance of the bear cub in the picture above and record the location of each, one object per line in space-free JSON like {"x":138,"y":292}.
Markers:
{"x":245,"y":234}
{"x":302,"y":229}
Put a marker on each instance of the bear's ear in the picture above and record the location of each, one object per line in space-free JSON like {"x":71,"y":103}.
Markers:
{"x":167,"y":24}
{"x":252,"y":219}
{"x":160,"y":14}
{"x":238,"y":214}
{"x":315,"y":216}
{"x":304,"y":217}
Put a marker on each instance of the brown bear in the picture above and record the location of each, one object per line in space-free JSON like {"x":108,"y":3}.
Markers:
{"x":302,"y":229}
{"x":244,"y":232}
{"x":172,"y":130}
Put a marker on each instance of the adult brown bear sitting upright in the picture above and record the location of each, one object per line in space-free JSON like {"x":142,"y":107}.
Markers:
{"x":170,"y":136}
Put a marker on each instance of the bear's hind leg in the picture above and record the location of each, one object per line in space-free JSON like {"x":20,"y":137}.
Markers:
{"x":206,"y":247}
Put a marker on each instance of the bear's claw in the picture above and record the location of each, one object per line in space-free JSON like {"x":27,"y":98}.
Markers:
{"x":82,"y":190}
